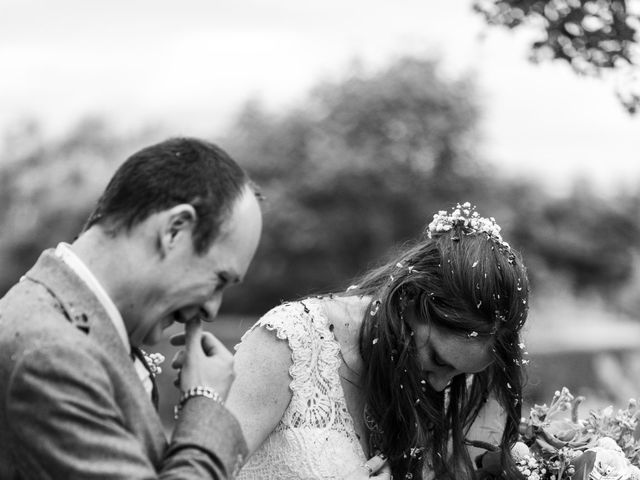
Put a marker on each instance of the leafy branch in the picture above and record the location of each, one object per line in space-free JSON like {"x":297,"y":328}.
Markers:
{"x":593,"y":36}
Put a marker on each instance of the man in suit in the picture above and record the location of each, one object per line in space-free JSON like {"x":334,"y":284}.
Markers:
{"x":177,"y":224}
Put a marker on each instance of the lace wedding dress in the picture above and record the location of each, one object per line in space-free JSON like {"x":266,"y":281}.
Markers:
{"x":315,"y":439}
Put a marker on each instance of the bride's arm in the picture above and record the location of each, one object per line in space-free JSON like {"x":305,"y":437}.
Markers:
{"x":260,"y":393}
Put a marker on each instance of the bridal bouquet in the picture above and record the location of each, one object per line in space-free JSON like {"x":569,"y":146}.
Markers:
{"x":555,"y":444}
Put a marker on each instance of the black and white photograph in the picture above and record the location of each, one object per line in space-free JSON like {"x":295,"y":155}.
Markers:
{"x":338,"y":240}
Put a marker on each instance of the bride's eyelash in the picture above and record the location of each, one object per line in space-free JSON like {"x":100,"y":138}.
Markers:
{"x":437,"y":360}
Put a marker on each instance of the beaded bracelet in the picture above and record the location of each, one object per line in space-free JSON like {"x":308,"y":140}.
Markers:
{"x":198,"y":391}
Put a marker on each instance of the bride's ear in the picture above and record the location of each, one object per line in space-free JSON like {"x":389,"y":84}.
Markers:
{"x":179,"y":222}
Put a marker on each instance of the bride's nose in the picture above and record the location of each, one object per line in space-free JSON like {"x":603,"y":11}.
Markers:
{"x":439,"y":381}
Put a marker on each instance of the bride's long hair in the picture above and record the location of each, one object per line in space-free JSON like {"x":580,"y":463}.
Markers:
{"x":468,"y":284}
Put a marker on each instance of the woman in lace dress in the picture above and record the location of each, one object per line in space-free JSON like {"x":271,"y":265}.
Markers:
{"x":399,"y":364}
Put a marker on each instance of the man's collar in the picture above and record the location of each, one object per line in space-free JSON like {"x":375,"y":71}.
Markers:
{"x":67,"y":255}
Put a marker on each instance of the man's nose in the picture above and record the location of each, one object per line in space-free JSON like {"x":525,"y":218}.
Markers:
{"x":211,"y":307}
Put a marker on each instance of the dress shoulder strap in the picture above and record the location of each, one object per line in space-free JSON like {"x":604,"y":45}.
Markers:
{"x":315,"y":356}
{"x":293,"y":321}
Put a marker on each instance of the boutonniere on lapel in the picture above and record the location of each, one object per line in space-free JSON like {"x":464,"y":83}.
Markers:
{"x":153,"y":361}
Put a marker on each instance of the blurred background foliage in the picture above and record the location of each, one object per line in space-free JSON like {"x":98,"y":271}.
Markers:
{"x":353,"y":169}
{"x":594,"y":37}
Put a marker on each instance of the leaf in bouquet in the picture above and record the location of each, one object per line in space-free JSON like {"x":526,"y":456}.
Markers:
{"x":636,"y":430}
{"x":545,"y":447}
{"x":560,"y":433}
{"x":575,"y":405}
{"x":583,"y":465}
{"x":538,"y":413}
{"x":565,"y":433}
{"x":633,"y":454}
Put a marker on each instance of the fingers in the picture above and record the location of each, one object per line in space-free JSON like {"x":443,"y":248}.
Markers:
{"x":210,"y":344}
{"x":377,"y":463}
{"x":384,"y":473}
{"x":177,"y":363}
{"x":376,"y":467}
{"x":178,"y":360}
{"x":203,"y":360}
{"x":193,"y":331}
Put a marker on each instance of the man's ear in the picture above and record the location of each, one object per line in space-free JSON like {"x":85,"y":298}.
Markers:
{"x":178,"y":225}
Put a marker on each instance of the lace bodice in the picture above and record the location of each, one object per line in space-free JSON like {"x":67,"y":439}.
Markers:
{"x":315,"y":439}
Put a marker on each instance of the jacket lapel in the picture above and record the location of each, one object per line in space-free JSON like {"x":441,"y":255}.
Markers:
{"x":83,"y":309}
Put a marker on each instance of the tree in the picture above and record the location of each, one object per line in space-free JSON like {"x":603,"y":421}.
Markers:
{"x":355,"y":169}
{"x":590,"y":242}
{"x":593,"y":36}
{"x":48,"y":188}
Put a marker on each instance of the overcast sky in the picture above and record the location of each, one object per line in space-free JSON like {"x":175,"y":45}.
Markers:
{"x":189,"y":65}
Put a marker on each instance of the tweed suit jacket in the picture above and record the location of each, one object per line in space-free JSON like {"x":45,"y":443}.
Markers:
{"x":71,"y":404}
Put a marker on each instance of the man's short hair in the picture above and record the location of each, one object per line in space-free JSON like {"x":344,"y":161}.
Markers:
{"x":176,"y":171}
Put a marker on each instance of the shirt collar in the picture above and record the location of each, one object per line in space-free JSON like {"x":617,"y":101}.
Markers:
{"x":64,"y":252}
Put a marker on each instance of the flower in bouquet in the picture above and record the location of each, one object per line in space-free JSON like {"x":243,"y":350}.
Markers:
{"x":555,"y":444}
{"x":622,"y":426}
{"x":557,"y":425}
{"x":564,"y":446}
{"x":607,"y":461}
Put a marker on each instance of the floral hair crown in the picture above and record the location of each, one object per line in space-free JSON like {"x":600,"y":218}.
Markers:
{"x":470,"y":222}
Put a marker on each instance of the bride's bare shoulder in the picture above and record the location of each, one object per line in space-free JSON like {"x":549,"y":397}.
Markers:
{"x":260,"y":393}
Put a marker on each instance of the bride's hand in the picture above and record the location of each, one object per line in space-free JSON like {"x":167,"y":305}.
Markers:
{"x":376,"y":467}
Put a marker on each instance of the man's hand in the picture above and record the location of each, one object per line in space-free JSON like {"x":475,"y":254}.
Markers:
{"x":376,"y":467}
{"x":205,"y":361}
